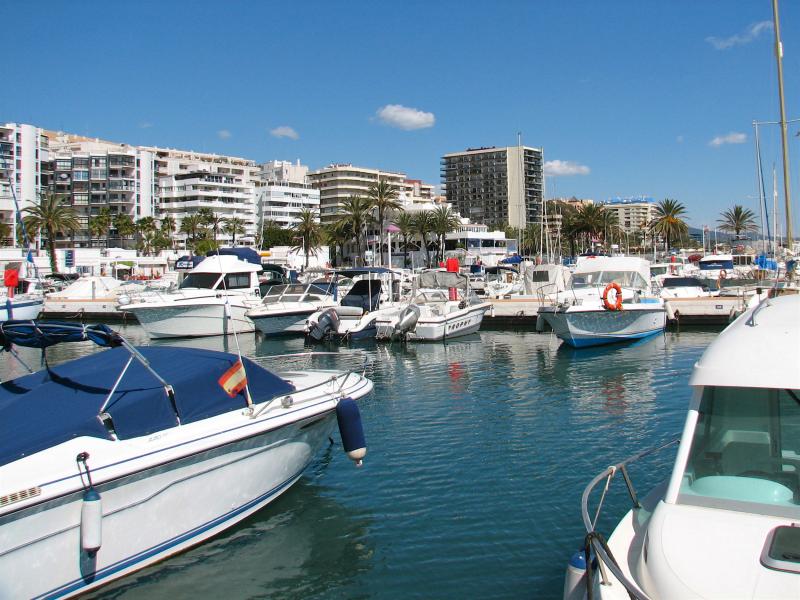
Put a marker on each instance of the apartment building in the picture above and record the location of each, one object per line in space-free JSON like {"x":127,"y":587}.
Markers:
{"x":92,"y":175}
{"x":633,"y":213}
{"x":282,"y":190}
{"x":497,"y":186}
{"x":24,"y":171}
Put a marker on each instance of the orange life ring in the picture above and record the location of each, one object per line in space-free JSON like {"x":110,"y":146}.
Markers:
{"x":617,"y":305}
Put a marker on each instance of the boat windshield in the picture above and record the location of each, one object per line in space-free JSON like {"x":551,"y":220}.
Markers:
{"x":203,"y":281}
{"x":713,"y":265}
{"x":745,"y":454}
{"x":629,"y":279}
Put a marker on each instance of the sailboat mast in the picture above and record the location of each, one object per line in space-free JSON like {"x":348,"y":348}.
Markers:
{"x":784,"y":142}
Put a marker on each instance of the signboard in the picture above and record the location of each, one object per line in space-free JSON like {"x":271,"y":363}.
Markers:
{"x":69,"y":258}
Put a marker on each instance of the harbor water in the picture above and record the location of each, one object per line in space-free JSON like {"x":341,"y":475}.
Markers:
{"x":479,"y":450}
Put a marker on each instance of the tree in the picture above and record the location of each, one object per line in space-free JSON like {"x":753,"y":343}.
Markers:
{"x":531,"y":239}
{"x":191,"y":225}
{"x":737,"y":220}
{"x":405,"y":223}
{"x":233,"y":226}
{"x":356,"y":214}
{"x":124,"y":225}
{"x":146,"y":231}
{"x":444,"y":222}
{"x":212,"y":220}
{"x":5,"y":231}
{"x":101,"y":223}
{"x":423,"y":225}
{"x":383,"y":196}
{"x":272,"y":234}
{"x":308,"y":230}
{"x":668,"y":221}
{"x":337,"y":235}
{"x":51,"y":217}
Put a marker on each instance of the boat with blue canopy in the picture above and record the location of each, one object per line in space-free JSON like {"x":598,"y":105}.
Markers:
{"x":115,"y":460}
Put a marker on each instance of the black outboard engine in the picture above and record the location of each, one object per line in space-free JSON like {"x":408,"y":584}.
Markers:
{"x":327,"y":322}
{"x":407,"y":319}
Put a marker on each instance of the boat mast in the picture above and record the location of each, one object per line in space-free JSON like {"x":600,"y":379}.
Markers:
{"x":784,"y":142}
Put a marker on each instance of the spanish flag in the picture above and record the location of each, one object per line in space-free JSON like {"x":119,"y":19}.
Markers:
{"x":234,"y":379}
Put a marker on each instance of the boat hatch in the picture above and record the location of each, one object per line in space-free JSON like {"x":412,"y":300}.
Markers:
{"x":782,"y":549}
{"x":745,"y":452}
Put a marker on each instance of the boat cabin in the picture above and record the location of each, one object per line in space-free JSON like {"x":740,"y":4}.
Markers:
{"x":222,"y":272}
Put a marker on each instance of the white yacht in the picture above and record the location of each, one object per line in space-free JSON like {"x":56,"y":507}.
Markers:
{"x":608,"y":302}
{"x":91,"y":296}
{"x":441,"y":307}
{"x":25,"y":302}
{"x":212,"y":299}
{"x":725,"y":523}
{"x":141,"y":453}
{"x":285,"y":308}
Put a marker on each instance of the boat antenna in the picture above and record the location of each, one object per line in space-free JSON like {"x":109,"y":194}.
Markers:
{"x":763,"y":210}
{"x":784,"y":142}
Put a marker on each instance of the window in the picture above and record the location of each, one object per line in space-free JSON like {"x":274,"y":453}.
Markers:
{"x":237,"y":281}
{"x":745,"y":450}
{"x":204,"y":281}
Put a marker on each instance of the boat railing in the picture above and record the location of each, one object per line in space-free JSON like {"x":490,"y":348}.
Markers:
{"x":595,"y":543}
{"x":338,"y":380}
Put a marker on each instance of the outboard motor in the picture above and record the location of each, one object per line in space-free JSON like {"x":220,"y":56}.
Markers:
{"x":328,"y":321}
{"x":407,"y":319}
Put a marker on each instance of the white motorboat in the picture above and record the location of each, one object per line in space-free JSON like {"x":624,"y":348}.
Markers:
{"x":285,"y":308}
{"x":21,"y":296}
{"x":91,"y":296}
{"x":724,"y":524}
{"x":441,"y":308}
{"x":212,"y":299}
{"x":608,"y":302}
{"x":375,"y":290}
{"x":116,"y":460}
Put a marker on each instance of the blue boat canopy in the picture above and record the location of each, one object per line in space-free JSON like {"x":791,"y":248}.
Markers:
{"x":245,"y":254}
{"x":514,"y":259}
{"x":60,"y":403}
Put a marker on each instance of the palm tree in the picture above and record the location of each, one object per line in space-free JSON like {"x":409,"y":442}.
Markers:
{"x":124,"y":225}
{"x":531,"y":239}
{"x":233,"y":226}
{"x":668,"y":221}
{"x":146,"y":230}
{"x":423,"y":225}
{"x":5,"y":231}
{"x":444,"y":221}
{"x":405,"y":223}
{"x":337,"y":235}
{"x":52,"y":217}
{"x":307,"y":228}
{"x":191,"y":225}
{"x":101,"y":223}
{"x":166,"y":230}
{"x":738,"y":219}
{"x":356,"y":214}
{"x":212,"y":220}
{"x":383,"y":196}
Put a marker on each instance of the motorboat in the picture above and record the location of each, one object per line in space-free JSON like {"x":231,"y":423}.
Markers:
{"x":441,"y":307}
{"x":285,"y":308}
{"x":608,"y":301}
{"x":541,"y":285}
{"x":724,"y":524}
{"x":21,"y":296}
{"x":139,"y":453}
{"x":212,"y":299}
{"x":374,"y":290}
{"x":90,"y":297}
{"x":684,"y":287}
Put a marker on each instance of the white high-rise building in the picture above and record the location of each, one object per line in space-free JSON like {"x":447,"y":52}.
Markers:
{"x":634,"y":213}
{"x":283,"y":190}
{"x":23,"y":165}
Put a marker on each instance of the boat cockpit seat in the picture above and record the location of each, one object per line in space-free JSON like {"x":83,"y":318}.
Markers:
{"x":349,"y":312}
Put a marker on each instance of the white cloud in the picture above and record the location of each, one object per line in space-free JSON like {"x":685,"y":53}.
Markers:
{"x":749,"y":34}
{"x":679,"y":139}
{"x":731,"y":138}
{"x":145,"y":125}
{"x":563,"y":168}
{"x":402,"y":117}
{"x":224,"y":134}
{"x":284,"y":131}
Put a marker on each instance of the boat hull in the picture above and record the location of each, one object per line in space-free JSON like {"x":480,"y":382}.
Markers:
{"x":434,"y":329}
{"x":282,"y":324}
{"x":192,"y":319}
{"x":150,"y":515}
{"x":20,"y":309}
{"x":593,"y":327}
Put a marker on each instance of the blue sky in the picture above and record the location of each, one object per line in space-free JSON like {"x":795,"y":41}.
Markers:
{"x":626,"y":98}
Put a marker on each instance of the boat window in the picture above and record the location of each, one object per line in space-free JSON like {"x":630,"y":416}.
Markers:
{"x":745,"y":451}
{"x":237,"y":281}
{"x":660,"y":270}
{"x":629,"y":279}
{"x":205,"y":281}
{"x":713,"y":265}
